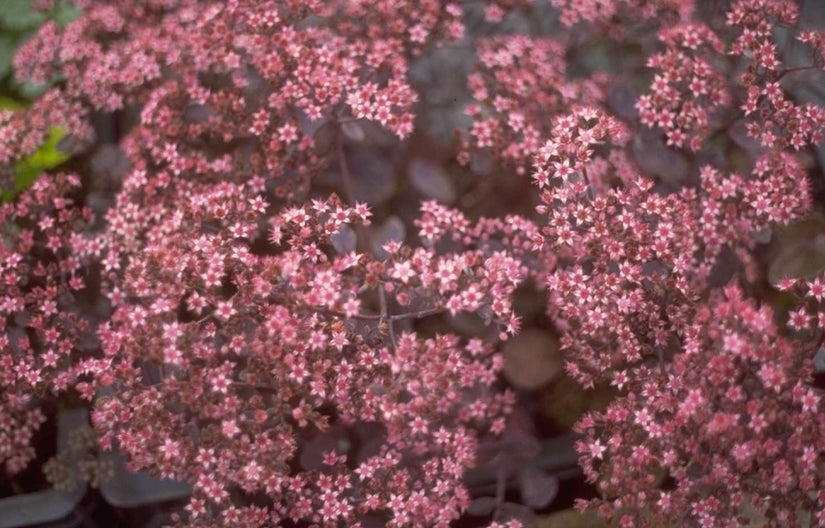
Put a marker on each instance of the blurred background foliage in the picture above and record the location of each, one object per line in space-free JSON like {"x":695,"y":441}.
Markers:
{"x":18,"y":21}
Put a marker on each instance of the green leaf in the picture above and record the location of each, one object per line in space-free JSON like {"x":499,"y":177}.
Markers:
{"x":18,"y":14}
{"x":65,"y":12}
{"x":7,"y":103}
{"x":8,"y":44}
{"x":29,"y":90}
{"x":48,"y":156}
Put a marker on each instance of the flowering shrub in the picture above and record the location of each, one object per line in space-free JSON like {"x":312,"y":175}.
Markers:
{"x":651,"y":258}
{"x":249,"y":338}
{"x":262,"y":339}
{"x":41,"y":327}
{"x":688,"y":89}
{"x":709,"y":423}
{"x":521,"y":83}
{"x":612,"y":16}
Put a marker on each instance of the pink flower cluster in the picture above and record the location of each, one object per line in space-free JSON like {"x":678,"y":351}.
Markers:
{"x":40,"y":328}
{"x":223,"y":358}
{"x":688,"y":88}
{"x":613,"y":16}
{"x":519,"y":86}
{"x":735,"y":424}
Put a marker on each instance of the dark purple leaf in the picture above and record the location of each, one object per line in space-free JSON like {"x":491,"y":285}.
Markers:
{"x":538,"y":489}
{"x":353,"y":131}
{"x":431,"y":180}
{"x":312,"y":455}
{"x":655,"y":158}
{"x":532,"y":359}
{"x":520,"y":444}
{"x":344,"y":240}
{"x":373,"y":176}
{"x":482,"y":506}
{"x":511,"y":510}
{"x":392,"y":229}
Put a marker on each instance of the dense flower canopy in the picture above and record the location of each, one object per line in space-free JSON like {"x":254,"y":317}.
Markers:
{"x":260,"y":333}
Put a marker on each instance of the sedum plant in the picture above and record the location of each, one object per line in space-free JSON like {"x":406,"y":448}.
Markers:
{"x":253,"y":334}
